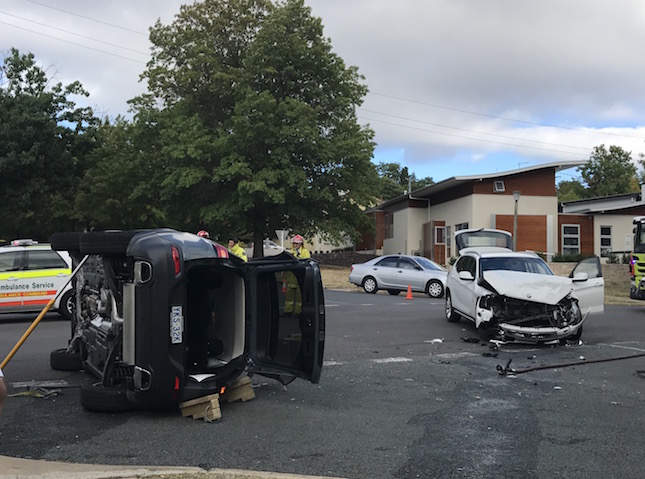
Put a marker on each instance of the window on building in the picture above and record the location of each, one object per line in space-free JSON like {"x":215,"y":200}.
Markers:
{"x":570,"y":239}
{"x":461,"y":226}
{"x":448,"y":243}
{"x":389,"y":225}
{"x":440,"y":235}
{"x":605,"y":240}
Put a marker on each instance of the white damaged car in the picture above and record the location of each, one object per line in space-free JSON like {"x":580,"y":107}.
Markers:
{"x":514,"y":296}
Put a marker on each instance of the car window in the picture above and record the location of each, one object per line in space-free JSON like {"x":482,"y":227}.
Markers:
{"x":591,"y":266}
{"x":389,"y":262}
{"x":524,"y":265}
{"x":430,"y":265}
{"x":405,"y":263}
{"x":466,"y":263}
{"x":44,"y":259}
{"x":10,"y":261}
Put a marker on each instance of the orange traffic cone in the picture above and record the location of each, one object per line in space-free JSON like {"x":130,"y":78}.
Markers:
{"x":409,"y":296}
{"x":284,"y":286}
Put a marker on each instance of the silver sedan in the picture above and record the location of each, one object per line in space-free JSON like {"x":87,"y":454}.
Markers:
{"x":396,"y":272}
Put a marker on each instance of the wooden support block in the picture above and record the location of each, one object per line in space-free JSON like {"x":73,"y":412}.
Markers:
{"x":239,"y":390}
{"x":206,"y":407}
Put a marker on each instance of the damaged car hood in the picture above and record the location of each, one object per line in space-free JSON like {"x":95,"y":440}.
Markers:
{"x":539,"y":288}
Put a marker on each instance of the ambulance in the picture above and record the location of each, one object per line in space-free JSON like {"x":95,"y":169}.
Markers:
{"x":30,"y":276}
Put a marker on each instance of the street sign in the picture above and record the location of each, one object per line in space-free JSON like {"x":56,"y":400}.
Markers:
{"x":282,"y":235}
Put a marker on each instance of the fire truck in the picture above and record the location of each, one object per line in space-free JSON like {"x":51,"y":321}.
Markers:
{"x":637,"y":260}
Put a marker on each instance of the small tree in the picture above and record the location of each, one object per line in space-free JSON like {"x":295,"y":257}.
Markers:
{"x":609,"y":172}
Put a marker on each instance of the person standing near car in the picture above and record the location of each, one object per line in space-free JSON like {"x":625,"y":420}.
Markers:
{"x":3,"y":390}
{"x":235,"y":248}
{"x":297,"y":248}
{"x":293,"y":298}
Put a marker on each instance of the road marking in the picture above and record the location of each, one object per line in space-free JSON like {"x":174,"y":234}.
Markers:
{"x":392,"y":360}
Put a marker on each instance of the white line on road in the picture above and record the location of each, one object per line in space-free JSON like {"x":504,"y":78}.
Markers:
{"x":392,"y":360}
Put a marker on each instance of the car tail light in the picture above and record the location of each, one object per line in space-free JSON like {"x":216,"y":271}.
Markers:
{"x":221,"y":251}
{"x":176,"y":383}
{"x":176,"y":260}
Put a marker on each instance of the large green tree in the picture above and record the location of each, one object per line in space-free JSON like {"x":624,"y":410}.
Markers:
{"x":257,"y":128}
{"x":44,"y":143}
{"x":609,"y":172}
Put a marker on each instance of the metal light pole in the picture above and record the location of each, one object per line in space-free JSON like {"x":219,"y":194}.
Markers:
{"x":516,"y":197}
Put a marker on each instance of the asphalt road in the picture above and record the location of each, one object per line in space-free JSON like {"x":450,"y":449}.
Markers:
{"x":403,"y":395}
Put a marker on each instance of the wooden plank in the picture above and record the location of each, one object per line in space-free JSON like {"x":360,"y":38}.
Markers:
{"x":199,"y":400}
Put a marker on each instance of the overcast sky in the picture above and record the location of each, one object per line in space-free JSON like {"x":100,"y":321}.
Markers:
{"x":457,"y":87}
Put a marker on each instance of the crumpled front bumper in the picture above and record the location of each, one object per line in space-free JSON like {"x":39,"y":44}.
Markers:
{"x":536,"y":335}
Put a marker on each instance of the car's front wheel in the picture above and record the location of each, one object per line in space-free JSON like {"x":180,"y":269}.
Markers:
{"x":394,"y":292}
{"x":434,"y":289}
{"x":451,"y":315}
{"x":369,"y":285}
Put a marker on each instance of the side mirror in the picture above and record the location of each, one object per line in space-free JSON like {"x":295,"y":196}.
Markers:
{"x":466,"y":276}
{"x":580,"y":277}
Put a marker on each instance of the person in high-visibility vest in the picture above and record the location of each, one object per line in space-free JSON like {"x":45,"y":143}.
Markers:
{"x":293,"y":299}
{"x":297,"y":248}
{"x":235,"y":248}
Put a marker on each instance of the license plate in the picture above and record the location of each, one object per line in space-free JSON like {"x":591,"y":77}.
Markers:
{"x":176,"y":325}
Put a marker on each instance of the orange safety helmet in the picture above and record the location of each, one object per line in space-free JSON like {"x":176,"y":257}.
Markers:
{"x":203,"y":234}
{"x":297,"y":239}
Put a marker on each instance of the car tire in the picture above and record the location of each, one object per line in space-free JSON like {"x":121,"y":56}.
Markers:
{"x":394,"y":292}
{"x":62,"y":360}
{"x":106,"y":242}
{"x":451,"y":315}
{"x":98,"y":398}
{"x":434,"y":289}
{"x":66,"y":305}
{"x":370,"y":285}
{"x":65,"y":241}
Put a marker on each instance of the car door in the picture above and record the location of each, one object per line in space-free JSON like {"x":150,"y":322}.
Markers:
{"x":47,"y":272}
{"x":285,"y":318}
{"x":590,"y":291}
{"x":386,"y":272}
{"x":411,"y":274}
{"x":12,"y":285}
{"x":463,"y":291}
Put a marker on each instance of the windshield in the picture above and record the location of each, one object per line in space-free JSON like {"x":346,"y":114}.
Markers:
{"x":524,"y":265}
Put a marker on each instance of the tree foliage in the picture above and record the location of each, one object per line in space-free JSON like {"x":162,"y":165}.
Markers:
{"x":44,"y":144}
{"x":609,"y":172}
{"x":395,"y":181}
{"x":257,"y":130}
{"x":570,"y":190}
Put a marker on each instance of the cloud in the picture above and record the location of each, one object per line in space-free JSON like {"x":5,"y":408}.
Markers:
{"x":454,"y":84}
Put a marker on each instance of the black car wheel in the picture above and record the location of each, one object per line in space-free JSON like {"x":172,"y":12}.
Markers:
{"x":106,"y":242}
{"x":66,"y":306}
{"x":394,"y":292}
{"x":434,"y":289}
{"x":370,"y":285}
{"x":65,"y":241}
{"x":98,"y":398}
{"x":451,"y":315}
{"x":62,"y":360}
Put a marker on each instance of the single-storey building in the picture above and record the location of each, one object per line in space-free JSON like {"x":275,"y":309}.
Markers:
{"x":522,"y":200}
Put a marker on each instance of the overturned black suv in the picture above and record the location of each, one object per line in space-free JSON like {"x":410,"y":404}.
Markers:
{"x":163,"y":316}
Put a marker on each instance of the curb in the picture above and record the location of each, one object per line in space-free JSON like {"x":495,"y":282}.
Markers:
{"x":18,"y":468}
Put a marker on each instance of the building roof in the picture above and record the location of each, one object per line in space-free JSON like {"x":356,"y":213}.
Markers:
{"x":455,"y":181}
